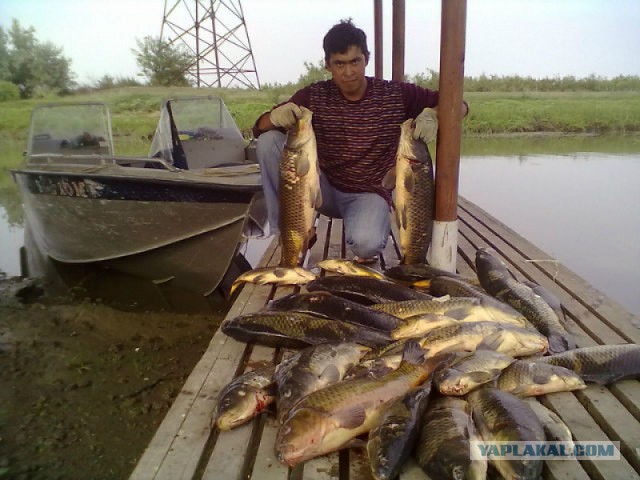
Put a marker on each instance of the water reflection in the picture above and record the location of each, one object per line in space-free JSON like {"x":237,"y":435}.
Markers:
{"x":582,"y":209}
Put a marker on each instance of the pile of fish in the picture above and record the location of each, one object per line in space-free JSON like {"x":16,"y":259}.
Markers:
{"x":405,"y":371}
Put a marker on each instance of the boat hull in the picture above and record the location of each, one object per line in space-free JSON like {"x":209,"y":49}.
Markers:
{"x":163,"y":226}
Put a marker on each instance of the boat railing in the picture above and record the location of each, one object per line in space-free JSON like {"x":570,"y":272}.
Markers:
{"x":99,"y":160}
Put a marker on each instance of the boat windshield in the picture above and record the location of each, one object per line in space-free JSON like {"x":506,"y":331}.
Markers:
{"x":70,"y":129}
{"x":190,"y":129}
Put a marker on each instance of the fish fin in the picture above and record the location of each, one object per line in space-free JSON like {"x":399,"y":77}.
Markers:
{"x":352,"y":417}
{"x":520,"y":390}
{"x":318,"y":200}
{"x":491,"y":342}
{"x":389,"y":180}
{"x":402,"y":217}
{"x":331,"y":374}
{"x":234,"y":285}
{"x":413,"y":352}
{"x":459,"y":313}
{"x":409,"y":181}
{"x":540,"y":379}
{"x":481,"y":377}
{"x":302,"y":166}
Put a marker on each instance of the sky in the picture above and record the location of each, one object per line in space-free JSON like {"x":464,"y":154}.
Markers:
{"x":537,"y":38}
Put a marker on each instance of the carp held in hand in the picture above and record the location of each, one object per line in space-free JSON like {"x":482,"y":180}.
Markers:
{"x":415,"y":194}
{"x":299,"y":189}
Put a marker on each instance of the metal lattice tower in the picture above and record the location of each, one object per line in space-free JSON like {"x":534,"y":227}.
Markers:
{"x":216,"y":33}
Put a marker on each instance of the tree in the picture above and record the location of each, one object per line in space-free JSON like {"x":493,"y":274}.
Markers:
{"x":162,"y":63}
{"x":4,"y":56}
{"x":314,"y":73}
{"x":32,"y":65}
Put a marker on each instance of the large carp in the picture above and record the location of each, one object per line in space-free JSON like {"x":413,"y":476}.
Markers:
{"x":443,"y":449}
{"x":365,"y":290}
{"x":299,"y":189}
{"x":325,"y":304}
{"x":314,"y":368}
{"x":298,"y":330}
{"x":496,"y":279}
{"x":415,"y":195}
{"x":393,"y":438}
{"x":503,"y":417}
{"x":459,"y":308}
{"x":601,"y":364}
{"x":329,"y":419}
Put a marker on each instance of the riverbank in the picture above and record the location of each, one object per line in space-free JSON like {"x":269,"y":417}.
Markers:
{"x":84,"y":386}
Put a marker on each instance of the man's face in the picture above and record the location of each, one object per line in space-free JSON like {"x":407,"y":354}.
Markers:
{"x":347,"y":70}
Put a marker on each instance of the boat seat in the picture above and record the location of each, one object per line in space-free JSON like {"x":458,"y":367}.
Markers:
{"x":220,"y":146}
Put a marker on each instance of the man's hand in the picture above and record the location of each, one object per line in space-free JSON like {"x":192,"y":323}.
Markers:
{"x":426,"y":128}
{"x":285,"y":116}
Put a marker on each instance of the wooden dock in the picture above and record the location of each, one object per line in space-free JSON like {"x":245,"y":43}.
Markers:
{"x":185,"y":445}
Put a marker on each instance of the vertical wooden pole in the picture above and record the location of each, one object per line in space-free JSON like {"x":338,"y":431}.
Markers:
{"x":443,"y":253}
{"x":397,"y":71}
{"x":377,"y":27}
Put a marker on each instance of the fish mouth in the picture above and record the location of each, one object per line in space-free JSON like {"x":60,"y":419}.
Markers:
{"x":288,"y":454}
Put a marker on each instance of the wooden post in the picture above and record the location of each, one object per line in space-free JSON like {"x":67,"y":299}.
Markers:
{"x":377,"y":27}
{"x":397,"y":70}
{"x":443,"y":252}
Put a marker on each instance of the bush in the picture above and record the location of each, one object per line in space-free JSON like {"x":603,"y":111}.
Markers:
{"x":8,"y":91}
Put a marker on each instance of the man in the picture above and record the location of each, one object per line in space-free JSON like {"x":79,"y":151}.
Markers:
{"x":356,"y":120}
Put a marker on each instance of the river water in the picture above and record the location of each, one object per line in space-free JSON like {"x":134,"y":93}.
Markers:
{"x":575,"y":202}
{"x":582,"y":209}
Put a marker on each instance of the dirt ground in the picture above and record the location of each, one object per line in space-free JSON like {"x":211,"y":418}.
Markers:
{"x":84,"y":386}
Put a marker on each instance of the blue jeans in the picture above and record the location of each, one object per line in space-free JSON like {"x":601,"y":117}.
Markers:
{"x":365,"y":215}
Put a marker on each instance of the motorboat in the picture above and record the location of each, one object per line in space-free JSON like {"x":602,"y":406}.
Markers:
{"x":177,"y":216}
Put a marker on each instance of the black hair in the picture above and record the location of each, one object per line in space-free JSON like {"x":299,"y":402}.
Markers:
{"x":342,"y":36}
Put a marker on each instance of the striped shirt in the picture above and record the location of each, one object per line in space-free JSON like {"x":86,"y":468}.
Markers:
{"x":357,"y":140}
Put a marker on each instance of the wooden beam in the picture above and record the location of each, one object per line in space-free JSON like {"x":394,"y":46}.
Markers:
{"x":398,"y":15}
{"x":452,"y":47}
{"x":377,"y":49}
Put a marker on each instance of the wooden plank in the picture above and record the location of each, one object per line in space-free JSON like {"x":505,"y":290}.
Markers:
{"x":628,"y":392}
{"x":625,"y":323}
{"x":614,"y":419}
{"x":322,"y":468}
{"x":564,"y":470}
{"x":584,"y":428}
{"x":266,"y":466}
{"x":153,"y":463}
